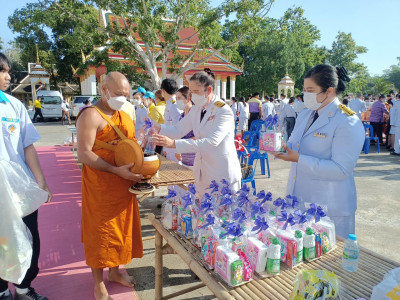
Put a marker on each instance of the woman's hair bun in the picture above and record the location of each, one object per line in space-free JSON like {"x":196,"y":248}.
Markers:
{"x":209,"y":72}
{"x":342,"y":74}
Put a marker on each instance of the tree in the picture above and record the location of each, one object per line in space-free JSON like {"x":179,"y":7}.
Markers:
{"x":62,"y":41}
{"x":344,"y":52}
{"x":288,"y":42}
{"x":393,"y":74}
{"x":157,"y":23}
{"x":1,"y":44}
{"x":382,"y":86}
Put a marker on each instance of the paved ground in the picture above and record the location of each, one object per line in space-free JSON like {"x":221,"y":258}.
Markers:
{"x":377,"y":220}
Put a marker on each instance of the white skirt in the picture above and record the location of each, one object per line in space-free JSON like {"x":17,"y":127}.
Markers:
{"x":243,"y":123}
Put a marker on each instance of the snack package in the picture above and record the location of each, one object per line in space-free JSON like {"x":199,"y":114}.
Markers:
{"x":288,"y":248}
{"x":169,"y":211}
{"x":247,"y":269}
{"x":326,"y":228}
{"x":256,"y":251}
{"x":228,"y":265}
{"x":315,"y":284}
{"x":271,"y":139}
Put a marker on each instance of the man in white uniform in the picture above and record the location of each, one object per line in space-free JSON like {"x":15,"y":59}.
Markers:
{"x":16,"y":144}
{"x":395,"y":122}
{"x":211,"y":121}
{"x":169,"y":87}
{"x":358,"y":105}
{"x":268,"y":108}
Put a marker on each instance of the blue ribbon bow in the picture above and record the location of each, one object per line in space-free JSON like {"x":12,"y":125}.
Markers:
{"x":232,"y":229}
{"x":148,"y":123}
{"x":239,"y":215}
{"x":225,"y":182}
{"x":271,"y":121}
{"x":226,"y":191}
{"x":260,"y":224}
{"x":214,"y":186}
{"x":244,"y":189}
{"x":226,"y":200}
{"x":171,"y":194}
{"x":256,"y":208}
{"x":192,"y":188}
{"x":264,"y":197}
{"x":300,"y":217}
{"x":206,"y":204}
{"x":209,"y":221}
{"x":316,"y":212}
{"x":188,"y":200}
{"x":288,"y":219}
{"x":243,"y":199}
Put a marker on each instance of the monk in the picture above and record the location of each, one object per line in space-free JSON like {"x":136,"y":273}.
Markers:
{"x":111,"y":229}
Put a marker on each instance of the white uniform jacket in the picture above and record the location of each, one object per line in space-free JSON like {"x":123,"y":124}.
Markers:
{"x":171,"y":116}
{"x":358,"y":106}
{"x":216,"y":156}
{"x":328,"y":150}
{"x":141,"y":114}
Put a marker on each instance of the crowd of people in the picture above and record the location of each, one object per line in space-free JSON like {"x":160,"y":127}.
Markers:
{"x":381,"y":112}
{"x":194,"y":127}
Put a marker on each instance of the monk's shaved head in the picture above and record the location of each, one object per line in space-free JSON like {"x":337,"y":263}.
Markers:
{"x":115,"y":84}
{"x":115,"y":78}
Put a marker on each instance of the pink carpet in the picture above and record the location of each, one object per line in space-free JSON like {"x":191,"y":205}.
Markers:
{"x":63,"y":271}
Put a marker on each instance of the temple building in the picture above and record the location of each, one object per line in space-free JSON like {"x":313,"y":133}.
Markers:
{"x":93,"y":77}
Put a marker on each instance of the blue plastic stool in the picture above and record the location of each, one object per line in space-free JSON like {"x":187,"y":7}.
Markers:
{"x":368,"y":139}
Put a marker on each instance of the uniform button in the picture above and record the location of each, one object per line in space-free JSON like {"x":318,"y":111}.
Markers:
{"x":298,"y":145}
{"x":294,"y":177}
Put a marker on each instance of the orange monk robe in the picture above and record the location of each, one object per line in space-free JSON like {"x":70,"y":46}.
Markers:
{"x":111,"y":229}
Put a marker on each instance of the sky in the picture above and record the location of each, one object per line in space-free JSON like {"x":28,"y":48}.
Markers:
{"x":372,"y":23}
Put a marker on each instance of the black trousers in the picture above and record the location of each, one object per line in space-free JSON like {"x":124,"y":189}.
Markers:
{"x":378,"y":128}
{"x":159,"y":149}
{"x":253,"y":116}
{"x":38,"y":111}
{"x":31,"y":222}
{"x":290,"y":122}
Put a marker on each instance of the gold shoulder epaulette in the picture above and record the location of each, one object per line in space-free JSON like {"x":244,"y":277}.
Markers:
{"x":219,"y":104}
{"x":173,"y":101}
{"x":346,"y":110}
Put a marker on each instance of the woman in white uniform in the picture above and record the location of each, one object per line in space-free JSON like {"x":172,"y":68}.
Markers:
{"x":244,"y":112}
{"x":212,"y":123}
{"x":324,"y":147}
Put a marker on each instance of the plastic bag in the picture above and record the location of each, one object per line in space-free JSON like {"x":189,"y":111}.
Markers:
{"x":20,"y":197}
{"x":315,"y":284}
{"x":389,"y":288}
{"x":24,"y":192}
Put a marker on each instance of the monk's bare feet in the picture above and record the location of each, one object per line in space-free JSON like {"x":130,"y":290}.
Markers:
{"x":116,"y":276}
{"x":100,"y":292}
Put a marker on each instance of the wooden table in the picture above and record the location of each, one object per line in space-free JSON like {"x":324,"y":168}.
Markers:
{"x":372,"y":268}
{"x":172,"y":173}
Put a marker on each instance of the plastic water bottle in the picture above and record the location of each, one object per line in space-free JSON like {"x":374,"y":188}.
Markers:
{"x":351,"y":253}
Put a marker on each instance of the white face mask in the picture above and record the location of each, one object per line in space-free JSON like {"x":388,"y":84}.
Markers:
{"x":199,"y":100}
{"x":117,"y":102}
{"x":136,"y":102}
{"x":180,"y":104}
{"x":310,"y":100}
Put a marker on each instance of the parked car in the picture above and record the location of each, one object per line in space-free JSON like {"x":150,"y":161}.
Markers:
{"x":51,"y":103}
{"x":79,"y":101}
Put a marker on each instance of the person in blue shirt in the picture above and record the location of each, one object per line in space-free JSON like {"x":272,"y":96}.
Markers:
{"x":16,"y":144}
{"x":324,"y":148}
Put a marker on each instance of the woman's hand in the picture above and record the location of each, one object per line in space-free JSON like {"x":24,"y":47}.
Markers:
{"x":162,"y":140}
{"x":178,"y":157}
{"x":291,"y":155}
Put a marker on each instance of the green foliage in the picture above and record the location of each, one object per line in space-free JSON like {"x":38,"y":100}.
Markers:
{"x":280,"y":43}
{"x":393,"y":74}
{"x":60,"y":38}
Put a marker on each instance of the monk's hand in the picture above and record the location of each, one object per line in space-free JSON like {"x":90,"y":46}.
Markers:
{"x":291,"y":155}
{"x":125,"y":172}
{"x":164,"y":141}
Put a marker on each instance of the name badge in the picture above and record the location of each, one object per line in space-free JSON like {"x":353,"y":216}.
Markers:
{"x":4,"y":119}
{"x":320,"y":135}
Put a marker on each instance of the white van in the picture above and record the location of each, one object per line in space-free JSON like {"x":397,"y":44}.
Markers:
{"x":51,"y":103}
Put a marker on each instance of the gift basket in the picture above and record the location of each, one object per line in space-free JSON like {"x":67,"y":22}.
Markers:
{"x":241,"y":235}
{"x":271,"y":138}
